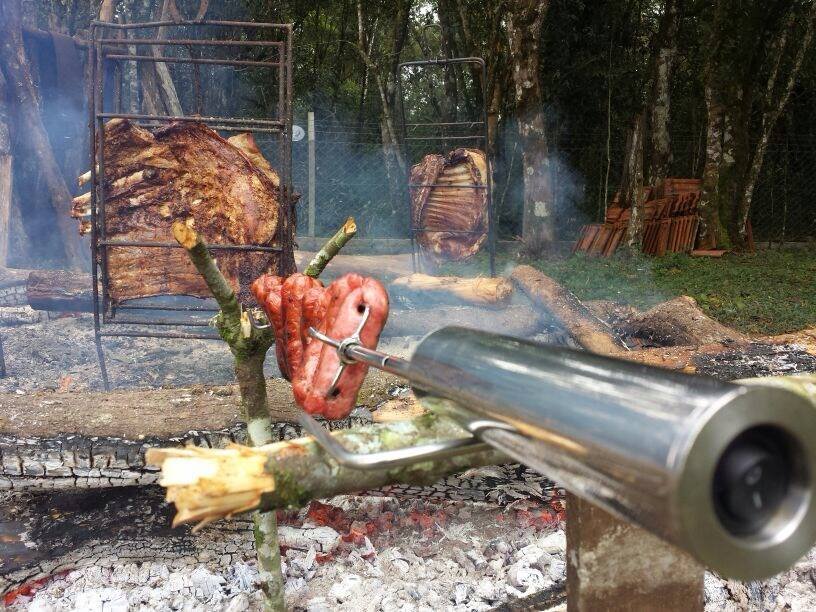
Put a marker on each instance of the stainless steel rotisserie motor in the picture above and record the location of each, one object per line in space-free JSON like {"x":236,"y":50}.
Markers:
{"x":723,"y":471}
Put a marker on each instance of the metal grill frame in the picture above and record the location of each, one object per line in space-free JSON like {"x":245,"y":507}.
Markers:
{"x":479,"y":137}
{"x":105,"y":48}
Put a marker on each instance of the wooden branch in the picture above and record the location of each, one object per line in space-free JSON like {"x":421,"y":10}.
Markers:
{"x":208,"y":484}
{"x":585,"y":328}
{"x":331,"y":248}
{"x":222,"y":291}
{"x":249,"y":346}
{"x":481,"y":291}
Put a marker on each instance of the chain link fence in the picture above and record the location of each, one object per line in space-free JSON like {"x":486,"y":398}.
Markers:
{"x":352,"y":178}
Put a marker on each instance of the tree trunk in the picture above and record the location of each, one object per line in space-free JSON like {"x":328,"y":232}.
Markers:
{"x":718,"y":165}
{"x":773,"y":110}
{"x":632,"y":186}
{"x":6,"y":187}
{"x":446,"y":34}
{"x":665,"y":52}
{"x":524,"y":19}
{"x":14,"y":64}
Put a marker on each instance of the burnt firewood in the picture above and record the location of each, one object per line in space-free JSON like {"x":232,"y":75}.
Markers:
{"x":57,"y":290}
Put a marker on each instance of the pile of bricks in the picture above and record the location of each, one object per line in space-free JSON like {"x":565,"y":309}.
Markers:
{"x":670,"y":221}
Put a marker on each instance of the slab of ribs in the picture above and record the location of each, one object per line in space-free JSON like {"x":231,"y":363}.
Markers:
{"x":152,"y":178}
{"x":452,"y":205}
{"x":295,"y":303}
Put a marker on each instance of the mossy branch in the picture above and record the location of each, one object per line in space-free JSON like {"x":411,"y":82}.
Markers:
{"x":208,"y":484}
{"x":249,"y":346}
{"x":331,"y":248}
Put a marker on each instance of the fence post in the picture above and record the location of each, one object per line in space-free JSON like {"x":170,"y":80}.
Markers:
{"x":312,"y":172}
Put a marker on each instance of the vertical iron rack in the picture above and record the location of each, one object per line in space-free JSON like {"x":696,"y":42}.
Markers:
{"x":108,"y":50}
{"x":480,"y":137}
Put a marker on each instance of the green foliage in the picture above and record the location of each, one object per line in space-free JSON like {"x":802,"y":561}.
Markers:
{"x":770,"y":292}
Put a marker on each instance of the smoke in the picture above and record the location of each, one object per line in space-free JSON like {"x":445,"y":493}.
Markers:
{"x":35,"y":241}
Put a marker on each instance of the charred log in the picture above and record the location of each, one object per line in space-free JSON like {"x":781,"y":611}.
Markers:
{"x":479,"y":291}
{"x":585,"y":328}
{"x":60,"y":291}
{"x":679,"y":322}
{"x":69,"y":440}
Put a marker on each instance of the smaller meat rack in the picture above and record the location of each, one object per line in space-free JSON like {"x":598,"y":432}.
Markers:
{"x":451,"y":135}
{"x":113,"y":47}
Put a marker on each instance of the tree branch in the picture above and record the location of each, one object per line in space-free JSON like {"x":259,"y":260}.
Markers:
{"x":249,"y":346}
{"x":208,"y":484}
{"x":331,"y":248}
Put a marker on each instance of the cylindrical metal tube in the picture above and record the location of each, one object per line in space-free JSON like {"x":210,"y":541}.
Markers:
{"x":723,"y":471}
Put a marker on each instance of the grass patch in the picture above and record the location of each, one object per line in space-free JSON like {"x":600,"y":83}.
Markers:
{"x":769,"y":292}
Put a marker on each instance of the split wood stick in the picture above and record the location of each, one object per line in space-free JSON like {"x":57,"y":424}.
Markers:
{"x":209,"y":484}
{"x":331,"y":248}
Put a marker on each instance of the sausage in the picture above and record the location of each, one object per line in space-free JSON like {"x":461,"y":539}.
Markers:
{"x":267,"y":291}
{"x":298,"y":302}
{"x":347,"y":299}
{"x":293,"y":295}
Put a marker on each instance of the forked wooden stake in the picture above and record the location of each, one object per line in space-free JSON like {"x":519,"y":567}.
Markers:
{"x":237,"y":467}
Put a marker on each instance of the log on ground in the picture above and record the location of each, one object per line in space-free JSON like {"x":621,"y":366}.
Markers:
{"x":58,"y":290}
{"x":98,"y":439}
{"x":480,"y":291}
{"x":585,"y":328}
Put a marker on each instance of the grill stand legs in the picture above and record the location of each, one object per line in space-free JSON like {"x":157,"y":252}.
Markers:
{"x":614,"y":566}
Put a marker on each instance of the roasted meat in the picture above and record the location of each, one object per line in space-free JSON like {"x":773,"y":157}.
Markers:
{"x":457,"y":203}
{"x":299,"y":302}
{"x":183,"y":170}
